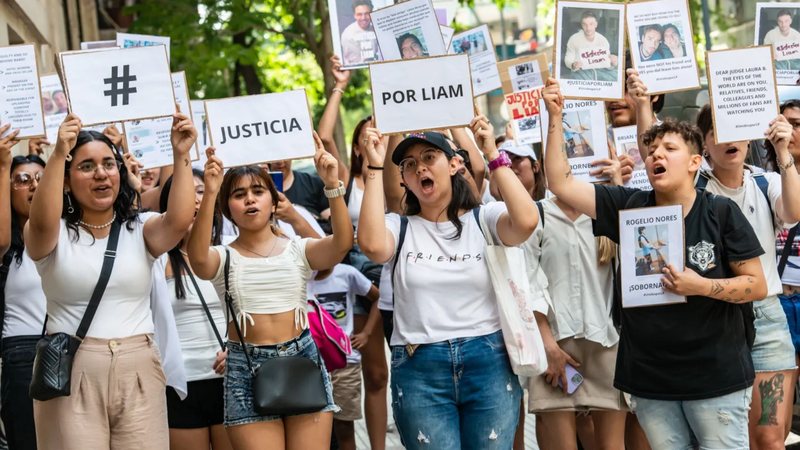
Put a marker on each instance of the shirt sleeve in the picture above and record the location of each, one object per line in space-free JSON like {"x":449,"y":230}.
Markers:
{"x":609,"y":200}
{"x":738,"y":237}
{"x":571,"y":55}
{"x":359,"y":283}
{"x":775,"y":192}
{"x":219,"y":277}
{"x":392,"y":221}
{"x":492,"y":213}
{"x":310,"y":219}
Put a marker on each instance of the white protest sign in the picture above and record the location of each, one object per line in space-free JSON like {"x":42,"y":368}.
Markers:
{"x":447,"y":36}
{"x":150,"y":140}
{"x":523,"y":108}
{"x":118,"y":85}
{"x":777,"y":24}
{"x":649,"y":240}
{"x":626,"y":143}
{"x":588,"y":50}
{"x":403,"y":101}
{"x":744,"y":97}
{"x":523,"y":73}
{"x":662,"y":49}
{"x":585,"y":138}
{"x":128,"y":40}
{"x":92,"y":45}
{"x":20,"y":94}
{"x":477,"y":43}
{"x":203,"y":140}
{"x":408,"y":30}
{"x":54,"y":105}
{"x":261,"y":128}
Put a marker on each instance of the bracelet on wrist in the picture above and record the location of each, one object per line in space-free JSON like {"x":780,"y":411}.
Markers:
{"x":370,"y":167}
{"x":338,"y":191}
{"x":782,"y":168}
{"x":339,"y":90}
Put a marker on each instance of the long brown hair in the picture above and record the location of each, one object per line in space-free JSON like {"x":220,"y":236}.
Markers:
{"x":356,"y":160}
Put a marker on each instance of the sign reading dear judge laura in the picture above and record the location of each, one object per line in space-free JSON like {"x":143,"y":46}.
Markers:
{"x":261,"y":128}
{"x":422,"y":94}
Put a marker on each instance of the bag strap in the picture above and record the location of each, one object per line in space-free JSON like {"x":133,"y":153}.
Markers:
{"x":349,"y":189}
{"x":229,"y":302}
{"x":763,"y":185}
{"x":787,"y":248}
{"x":105,"y":273}
{"x":540,"y":207}
{"x":702,"y":181}
{"x":203,"y":301}
{"x":4,"y":269}
{"x":400,"y":239}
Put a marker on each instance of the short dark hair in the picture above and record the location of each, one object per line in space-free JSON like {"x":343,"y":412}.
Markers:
{"x":357,"y":3}
{"x":651,"y":27}
{"x":687,"y":131}
{"x":411,"y":36}
{"x":588,"y":14}
{"x":705,"y":120}
{"x":784,"y":12}
{"x":672,"y":26}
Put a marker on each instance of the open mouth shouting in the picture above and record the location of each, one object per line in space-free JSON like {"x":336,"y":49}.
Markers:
{"x":426,"y":183}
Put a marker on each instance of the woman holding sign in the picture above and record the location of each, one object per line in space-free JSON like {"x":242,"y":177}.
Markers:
{"x":264,"y":277}
{"x":84,"y":200}
{"x":445,"y":313}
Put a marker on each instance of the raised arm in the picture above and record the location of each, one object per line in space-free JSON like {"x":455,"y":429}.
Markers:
{"x":41,"y":230}
{"x":392,"y":183}
{"x":575,"y":193}
{"x":204,"y":260}
{"x":6,"y":144}
{"x":463,"y":140}
{"x":327,"y":252}
{"x":164,"y":231}
{"x":746,"y":286}
{"x":151,"y":198}
{"x":516,"y":226}
{"x":779,"y":134}
{"x":286,"y":212}
{"x":373,"y":238}
{"x":643,"y":106}
{"x":327,"y":123}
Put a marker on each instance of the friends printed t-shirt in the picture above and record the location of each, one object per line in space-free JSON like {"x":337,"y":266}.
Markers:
{"x":442,"y":288}
{"x":698,"y":349}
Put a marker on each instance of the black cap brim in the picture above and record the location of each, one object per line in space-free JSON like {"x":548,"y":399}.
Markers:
{"x":401,"y":149}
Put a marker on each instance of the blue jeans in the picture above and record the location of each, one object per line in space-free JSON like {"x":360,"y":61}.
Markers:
{"x":457,"y":394}
{"x":716,"y":423}
{"x":17,"y":406}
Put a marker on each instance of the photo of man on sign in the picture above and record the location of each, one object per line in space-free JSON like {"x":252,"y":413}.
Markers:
{"x":588,"y":55}
{"x":359,"y":44}
{"x":779,"y":29}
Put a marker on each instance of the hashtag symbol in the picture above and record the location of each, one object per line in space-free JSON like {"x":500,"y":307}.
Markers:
{"x":114,"y":83}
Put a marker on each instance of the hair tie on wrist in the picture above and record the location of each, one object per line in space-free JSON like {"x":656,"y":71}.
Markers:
{"x":374,"y":167}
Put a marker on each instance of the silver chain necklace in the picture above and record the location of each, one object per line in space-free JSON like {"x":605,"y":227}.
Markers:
{"x":269,"y":253}
{"x":99,"y":227}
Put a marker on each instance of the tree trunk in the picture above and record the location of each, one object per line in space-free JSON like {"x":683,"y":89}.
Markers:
{"x":325,"y":50}
{"x":245,"y":73}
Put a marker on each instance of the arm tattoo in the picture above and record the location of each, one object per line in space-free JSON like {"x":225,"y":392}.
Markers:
{"x":185,"y":162}
{"x":716,"y":289}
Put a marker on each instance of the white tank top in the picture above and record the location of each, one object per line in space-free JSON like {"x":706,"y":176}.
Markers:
{"x":25,"y":302}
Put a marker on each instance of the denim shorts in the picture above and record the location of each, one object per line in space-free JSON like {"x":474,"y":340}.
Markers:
{"x":772,"y":350}
{"x":238,"y":379}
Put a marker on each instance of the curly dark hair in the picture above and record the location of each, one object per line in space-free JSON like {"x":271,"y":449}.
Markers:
{"x":17,"y":243}
{"x":687,"y":131}
{"x":125,"y":205}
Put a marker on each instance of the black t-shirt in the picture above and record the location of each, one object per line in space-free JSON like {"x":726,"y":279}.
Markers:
{"x":307,"y":191}
{"x":697,"y":349}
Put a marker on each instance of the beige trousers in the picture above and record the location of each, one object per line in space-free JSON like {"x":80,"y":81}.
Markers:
{"x":118,"y":400}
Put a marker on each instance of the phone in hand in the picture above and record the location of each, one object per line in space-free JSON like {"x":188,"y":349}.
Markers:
{"x":574,"y":379}
{"x":277,"y":180}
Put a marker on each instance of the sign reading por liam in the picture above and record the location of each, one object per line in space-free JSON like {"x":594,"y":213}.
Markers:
{"x":404,"y":100}
{"x":261,"y":128}
{"x":118,"y":85}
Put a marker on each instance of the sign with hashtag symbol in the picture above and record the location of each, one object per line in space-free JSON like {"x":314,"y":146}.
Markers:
{"x":117,"y":85}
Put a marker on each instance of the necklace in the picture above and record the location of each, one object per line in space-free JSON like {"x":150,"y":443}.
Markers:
{"x":99,"y":227}
{"x":269,"y":253}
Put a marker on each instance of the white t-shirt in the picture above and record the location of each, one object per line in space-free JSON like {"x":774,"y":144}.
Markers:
{"x":595,"y":54}
{"x":70,"y":273}
{"x":354,"y":202}
{"x":751,"y":201}
{"x":199,"y":344}
{"x":442,"y":287}
{"x":337,"y":294}
{"x":786,"y":47}
{"x":385,"y":288}
{"x":25,"y":301}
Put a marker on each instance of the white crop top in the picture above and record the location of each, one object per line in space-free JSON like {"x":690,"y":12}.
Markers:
{"x":70,"y":273}
{"x":271,"y":285}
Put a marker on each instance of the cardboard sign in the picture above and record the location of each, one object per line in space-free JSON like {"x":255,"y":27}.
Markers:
{"x":477,"y":43}
{"x":649,"y":240}
{"x":588,"y":51}
{"x":404,"y":101}
{"x":20,"y":93}
{"x":150,"y":140}
{"x":778,"y":25}
{"x":408,"y":30}
{"x":353,"y":36}
{"x":261,"y":128}
{"x":128,"y":40}
{"x":118,"y":85}
{"x":585,"y":138}
{"x":662,"y":48}
{"x":523,"y":73}
{"x":92,"y":45}
{"x":54,"y":105}
{"x":626,"y":143}
{"x":523,"y":109}
{"x":743,"y":93}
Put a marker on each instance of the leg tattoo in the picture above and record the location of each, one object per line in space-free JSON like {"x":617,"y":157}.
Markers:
{"x":771,"y":394}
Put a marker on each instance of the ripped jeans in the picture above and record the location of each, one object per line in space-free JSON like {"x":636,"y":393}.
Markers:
{"x":457,"y":394}
{"x":716,"y":423}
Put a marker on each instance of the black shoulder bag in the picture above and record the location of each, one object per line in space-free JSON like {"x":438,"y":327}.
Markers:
{"x":52,"y":366}
{"x":205,"y":305}
{"x":282,"y":386}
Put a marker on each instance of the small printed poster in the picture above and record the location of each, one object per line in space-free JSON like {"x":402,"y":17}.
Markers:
{"x":523,"y":109}
{"x":523,"y":73}
{"x":353,"y":35}
{"x":20,"y":93}
{"x":626,"y":143}
{"x":54,"y":105}
{"x":777,"y":24}
{"x":477,"y":43}
{"x":585,"y":136}
{"x":408,"y":30}
{"x":649,"y":240}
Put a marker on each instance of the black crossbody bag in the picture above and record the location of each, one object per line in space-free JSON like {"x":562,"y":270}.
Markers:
{"x":286,"y":385}
{"x":205,"y":305}
{"x":52,"y":366}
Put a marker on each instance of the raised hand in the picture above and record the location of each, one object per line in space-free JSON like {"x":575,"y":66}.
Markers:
{"x":35,"y":145}
{"x":184,"y":134}
{"x":780,"y":133}
{"x":636,"y":87}
{"x":6,"y":143}
{"x":68,"y":135}
{"x":327,"y":166}
{"x":483,"y":131}
{"x":342,"y":77}
{"x":212,"y":173}
{"x":553,"y":100}
{"x":375,"y":147}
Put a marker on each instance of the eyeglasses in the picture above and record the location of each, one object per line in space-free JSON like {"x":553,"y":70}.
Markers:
{"x":427,"y":157}
{"x":24,"y":180}
{"x":89,"y":168}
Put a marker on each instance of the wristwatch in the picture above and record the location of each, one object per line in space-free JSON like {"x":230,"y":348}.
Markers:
{"x":502,"y":160}
{"x":335,"y":192}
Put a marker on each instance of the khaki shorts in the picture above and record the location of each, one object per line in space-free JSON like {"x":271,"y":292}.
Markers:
{"x":347,"y":392}
{"x":597,"y":391}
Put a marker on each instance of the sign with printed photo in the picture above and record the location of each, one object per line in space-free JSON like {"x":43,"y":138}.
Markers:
{"x":353,"y":36}
{"x":128,"y":40}
{"x":778,"y":25}
{"x":54,"y":105}
{"x":523,"y":73}
{"x":20,"y":92}
{"x":477,"y":43}
{"x":523,"y":108}
{"x":626,"y":143}
{"x":408,"y":30}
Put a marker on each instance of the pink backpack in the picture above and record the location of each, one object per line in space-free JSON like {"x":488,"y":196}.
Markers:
{"x":332,"y":342}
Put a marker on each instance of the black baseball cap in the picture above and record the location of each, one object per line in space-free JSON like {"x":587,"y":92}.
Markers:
{"x":433,"y":138}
